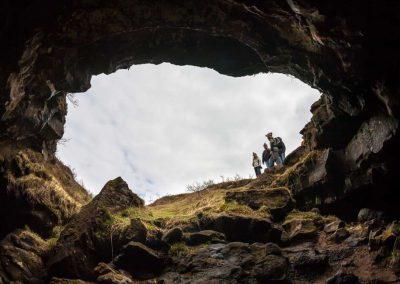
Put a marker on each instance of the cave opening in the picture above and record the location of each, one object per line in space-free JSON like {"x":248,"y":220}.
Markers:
{"x":166,"y":127}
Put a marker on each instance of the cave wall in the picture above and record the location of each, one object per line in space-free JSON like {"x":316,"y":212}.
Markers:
{"x":348,"y":50}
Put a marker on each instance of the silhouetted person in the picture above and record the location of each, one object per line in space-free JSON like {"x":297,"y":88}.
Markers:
{"x":266,"y":155}
{"x":278,"y":150}
{"x":256,"y":164}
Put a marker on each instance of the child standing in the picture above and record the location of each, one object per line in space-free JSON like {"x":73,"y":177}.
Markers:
{"x":256,"y":165}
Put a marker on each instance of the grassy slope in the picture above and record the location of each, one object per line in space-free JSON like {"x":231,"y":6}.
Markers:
{"x":184,"y":207}
{"x":45,"y":183}
{"x":176,"y":209}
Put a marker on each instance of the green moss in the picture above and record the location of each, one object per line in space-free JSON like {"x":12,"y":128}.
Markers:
{"x":135,"y":212}
{"x":104,"y":222}
{"x":300,"y":215}
{"x":308,"y":215}
{"x":234,"y":207}
{"x":179,"y":249}
{"x":293,"y":176}
{"x":51,"y":243}
{"x":46,"y":184}
{"x":188,"y":206}
{"x":278,"y":197}
{"x":150,"y":226}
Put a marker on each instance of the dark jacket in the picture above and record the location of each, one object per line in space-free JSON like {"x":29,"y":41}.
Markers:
{"x":278,"y":143}
{"x":266,"y":155}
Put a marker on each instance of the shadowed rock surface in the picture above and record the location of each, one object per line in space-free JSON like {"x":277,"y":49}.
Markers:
{"x":94,"y":235}
{"x":36,"y":192}
{"x":348,"y":50}
{"x":22,"y":258}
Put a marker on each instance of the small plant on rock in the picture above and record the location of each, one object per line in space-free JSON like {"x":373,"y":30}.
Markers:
{"x":179,"y":250}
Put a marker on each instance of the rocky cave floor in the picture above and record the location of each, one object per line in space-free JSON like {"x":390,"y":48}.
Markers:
{"x":245,"y":231}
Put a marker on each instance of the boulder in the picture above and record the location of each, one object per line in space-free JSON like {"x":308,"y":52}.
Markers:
{"x":391,"y":234}
{"x":374,"y":238}
{"x":113,"y":278}
{"x":278,"y":200}
{"x":241,"y":228}
{"x":366,"y":214}
{"x":301,"y":226}
{"x":202,"y":237}
{"x":108,"y":275}
{"x":271,"y":248}
{"x":140,"y":261}
{"x":317,"y":133}
{"x":154,"y":241}
{"x":94,"y":234}
{"x":333,"y":226}
{"x":340,"y":235}
{"x":116,"y":196}
{"x":135,"y":232}
{"x":309,"y":262}
{"x":21,"y":260}
{"x":307,"y":175}
{"x":271,"y":268}
{"x":384,"y":236}
{"x":295,"y":156}
{"x":173,"y":236}
{"x":234,"y":262}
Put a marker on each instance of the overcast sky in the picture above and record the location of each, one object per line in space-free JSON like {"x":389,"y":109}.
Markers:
{"x":161,"y":127}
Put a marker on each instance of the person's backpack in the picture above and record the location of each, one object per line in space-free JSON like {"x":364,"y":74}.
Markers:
{"x":280,"y":144}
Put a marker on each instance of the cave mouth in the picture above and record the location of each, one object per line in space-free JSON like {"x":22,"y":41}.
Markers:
{"x":163,"y":127}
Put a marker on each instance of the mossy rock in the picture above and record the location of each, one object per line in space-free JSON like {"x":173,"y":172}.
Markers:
{"x":21,"y":258}
{"x":204,"y":237}
{"x":301,"y":226}
{"x":308,"y":172}
{"x":40,"y":193}
{"x":97,"y":232}
{"x":278,"y":201}
{"x":242,"y":228}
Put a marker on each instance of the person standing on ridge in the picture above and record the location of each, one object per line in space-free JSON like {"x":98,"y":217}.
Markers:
{"x":256,"y":164}
{"x":278,"y":149}
{"x":266,"y":155}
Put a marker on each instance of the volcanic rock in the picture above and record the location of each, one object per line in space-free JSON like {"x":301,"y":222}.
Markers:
{"x":173,"y":236}
{"x":86,"y":240}
{"x":140,"y":261}
{"x":343,"y":278}
{"x":230,"y":263}
{"x":107,"y":275}
{"x":35,"y":192}
{"x":21,"y":258}
{"x":240,"y":228}
{"x":202,"y":237}
{"x":340,"y":235}
{"x":366,"y":214}
{"x":278,"y":200}
{"x":333,"y":226}
{"x":301,"y":226}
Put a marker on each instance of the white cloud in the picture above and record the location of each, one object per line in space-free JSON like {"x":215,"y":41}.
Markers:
{"x":162,"y":127}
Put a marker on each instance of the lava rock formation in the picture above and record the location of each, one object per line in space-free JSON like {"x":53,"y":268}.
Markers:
{"x":348,"y":50}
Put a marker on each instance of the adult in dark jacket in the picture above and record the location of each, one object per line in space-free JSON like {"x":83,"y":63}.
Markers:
{"x":278,"y":150}
{"x":266,"y":155}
